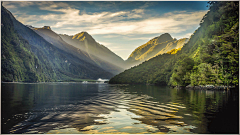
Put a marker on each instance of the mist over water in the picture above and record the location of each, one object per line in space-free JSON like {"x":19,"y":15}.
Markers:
{"x":103,"y":108}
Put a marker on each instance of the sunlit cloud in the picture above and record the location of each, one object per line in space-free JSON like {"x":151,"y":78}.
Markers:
{"x":122,"y":22}
{"x":113,"y":23}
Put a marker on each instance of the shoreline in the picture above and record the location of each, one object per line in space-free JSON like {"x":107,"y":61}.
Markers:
{"x":207,"y":87}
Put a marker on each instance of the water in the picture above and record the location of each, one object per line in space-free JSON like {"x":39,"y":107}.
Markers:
{"x":72,"y":108}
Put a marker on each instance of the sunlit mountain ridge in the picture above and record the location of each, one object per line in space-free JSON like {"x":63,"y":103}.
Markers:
{"x":156,"y":46}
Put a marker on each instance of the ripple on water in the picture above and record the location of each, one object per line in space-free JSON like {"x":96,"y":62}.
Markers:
{"x":113,"y":112}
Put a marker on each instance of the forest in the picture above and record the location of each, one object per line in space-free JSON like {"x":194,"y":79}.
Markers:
{"x":210,"y":57}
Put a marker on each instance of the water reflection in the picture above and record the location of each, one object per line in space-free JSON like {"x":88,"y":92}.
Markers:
{"x":102,"y":108}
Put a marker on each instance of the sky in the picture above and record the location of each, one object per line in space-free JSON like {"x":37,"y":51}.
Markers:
{"x":121,"y":26}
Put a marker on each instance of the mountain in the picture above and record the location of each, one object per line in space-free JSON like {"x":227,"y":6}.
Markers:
{"x":39,"y":59}
{"x":18,"y":63}
{"x":84,"y":53}
{"x":86,"y":42}
{"x":211,"y":56}
{"x":154,"y":47}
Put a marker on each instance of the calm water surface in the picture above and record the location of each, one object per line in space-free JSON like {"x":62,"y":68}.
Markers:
{"x":103,"y":108}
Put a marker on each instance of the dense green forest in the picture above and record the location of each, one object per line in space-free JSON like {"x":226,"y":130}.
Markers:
{"x":18,"y":63}
{"x":211,"y":55}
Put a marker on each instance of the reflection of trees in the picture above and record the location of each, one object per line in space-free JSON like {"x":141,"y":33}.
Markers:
{"x":203,"y":104}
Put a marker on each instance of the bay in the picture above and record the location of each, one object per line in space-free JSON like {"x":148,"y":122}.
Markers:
{"x":72,"y":108}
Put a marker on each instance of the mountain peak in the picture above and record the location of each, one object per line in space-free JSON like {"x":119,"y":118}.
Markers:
{"x":164,"y":37}
{"x":82,"y":36}
{"x":83,"y":33}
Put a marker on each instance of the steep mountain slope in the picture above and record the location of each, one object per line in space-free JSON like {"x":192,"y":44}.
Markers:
{"x":58,"y":64}
{"x":154,"y":47}
{"x":18,"y":63}
{"x":85,"y":42}
{"x":211,"y":56}
{"x":57,"y":41}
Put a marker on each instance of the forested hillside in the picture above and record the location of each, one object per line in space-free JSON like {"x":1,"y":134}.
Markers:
{"x":211,"y":56}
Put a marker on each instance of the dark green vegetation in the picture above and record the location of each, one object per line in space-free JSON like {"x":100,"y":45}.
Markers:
{"x":210,"y":56}
{"x":18,"y":63}
{"x":27,"y":57}
{"x":154,"y":47}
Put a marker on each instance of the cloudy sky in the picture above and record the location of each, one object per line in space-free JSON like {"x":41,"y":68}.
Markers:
{"x":120,"y":26}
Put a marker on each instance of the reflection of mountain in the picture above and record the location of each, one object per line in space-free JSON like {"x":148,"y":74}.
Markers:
{"x":154,"y":47}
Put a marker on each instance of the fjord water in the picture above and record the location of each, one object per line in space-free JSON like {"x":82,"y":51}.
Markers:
{"x":104,"y":108}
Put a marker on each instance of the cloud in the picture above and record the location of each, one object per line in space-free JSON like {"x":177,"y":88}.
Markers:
{"x":111,"y":23}
{"x":110,"y":36}
{"x":15,"y":4}
{"x":122,"y":22}
{"x":171,"y":23}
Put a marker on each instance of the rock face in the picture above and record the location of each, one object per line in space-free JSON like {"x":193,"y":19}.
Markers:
{"x":154,"y":47}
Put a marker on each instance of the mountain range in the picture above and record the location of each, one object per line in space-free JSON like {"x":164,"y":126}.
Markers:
{"x":31,"y":54}
{"x":45,"y":61}
{"x":85,"y":48}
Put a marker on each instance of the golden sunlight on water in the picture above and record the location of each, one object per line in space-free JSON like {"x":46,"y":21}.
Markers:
{"x":123,"y":113}
{"x":113,"y":109}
